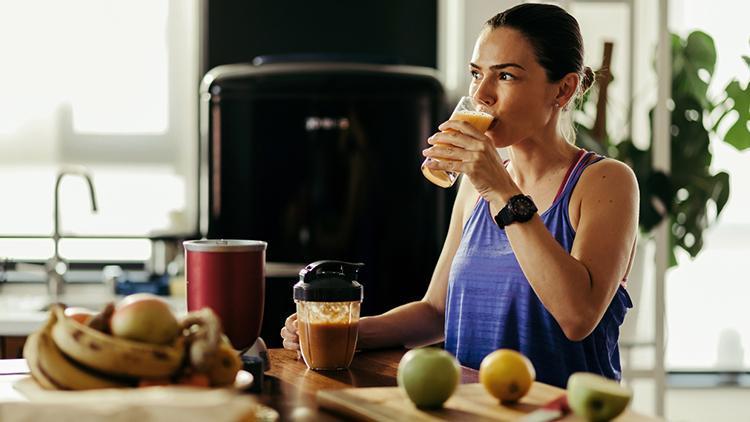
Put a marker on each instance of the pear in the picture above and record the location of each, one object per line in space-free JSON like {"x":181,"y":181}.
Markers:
{"x":596,"y":398}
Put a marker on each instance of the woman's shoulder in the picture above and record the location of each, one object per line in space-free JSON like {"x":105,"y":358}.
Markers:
{"x":607,"y":174}
{"x":608,"y":167}
{"x":604,"y":182}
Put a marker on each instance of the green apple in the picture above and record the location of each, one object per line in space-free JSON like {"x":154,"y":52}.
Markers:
{"x":596,"y":398}
{"x":429,"y":376}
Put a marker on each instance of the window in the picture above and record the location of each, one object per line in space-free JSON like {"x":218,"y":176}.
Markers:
{"x":109,"y":85}
{"x":707,"y":312}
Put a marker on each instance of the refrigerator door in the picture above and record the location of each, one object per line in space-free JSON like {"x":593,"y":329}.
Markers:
{"x":322,"y":161}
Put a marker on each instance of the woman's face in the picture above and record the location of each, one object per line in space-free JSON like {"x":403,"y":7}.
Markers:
{"x":507,"y":77}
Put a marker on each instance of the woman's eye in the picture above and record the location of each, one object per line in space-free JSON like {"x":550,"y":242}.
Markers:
{"x":474,"y":74}
{"x":505,"y":76}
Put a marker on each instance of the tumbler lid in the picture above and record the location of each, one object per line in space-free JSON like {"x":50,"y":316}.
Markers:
{"x":329,"y":281}
{"x":224,"y":245}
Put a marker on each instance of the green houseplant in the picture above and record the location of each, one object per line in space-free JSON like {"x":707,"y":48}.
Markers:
{"x":691,"y":196}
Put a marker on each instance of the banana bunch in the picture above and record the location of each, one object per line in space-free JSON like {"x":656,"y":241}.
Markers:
{"x":53,"y":369}
{"x":70,"y":355}
{"x":113,"y":355}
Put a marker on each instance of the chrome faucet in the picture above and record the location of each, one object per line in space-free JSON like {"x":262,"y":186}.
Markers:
{"x":56,"y":267}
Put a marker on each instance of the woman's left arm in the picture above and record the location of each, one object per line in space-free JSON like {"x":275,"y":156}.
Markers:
{"x":577,"y":287}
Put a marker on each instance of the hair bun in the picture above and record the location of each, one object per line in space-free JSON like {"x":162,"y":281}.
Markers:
{"x":588,"y":78}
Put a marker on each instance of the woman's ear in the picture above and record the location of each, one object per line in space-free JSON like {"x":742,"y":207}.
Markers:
{"x":566,"y":89}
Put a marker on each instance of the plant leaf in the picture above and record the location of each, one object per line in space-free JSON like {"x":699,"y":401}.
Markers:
{"x":697,"y":52}
{"x":700,"y":51}
{"x":584,"y":139}
{"x":688,"y":58}
{"x":739,"y":135}
{"x":720,"y":195}
{"x":678,"y":57}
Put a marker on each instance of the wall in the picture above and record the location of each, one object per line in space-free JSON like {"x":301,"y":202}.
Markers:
{"x":241,"y":30}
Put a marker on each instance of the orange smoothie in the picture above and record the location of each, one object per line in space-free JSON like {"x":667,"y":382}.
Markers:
{"x":481,"y":121}
{"x":328,"y":345}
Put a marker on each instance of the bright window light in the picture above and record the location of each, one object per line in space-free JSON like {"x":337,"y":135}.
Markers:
{"x":105,"y":61}
{"x":111,"y":85}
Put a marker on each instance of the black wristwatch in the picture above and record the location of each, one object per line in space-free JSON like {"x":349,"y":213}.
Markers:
{"x":520,"y":208}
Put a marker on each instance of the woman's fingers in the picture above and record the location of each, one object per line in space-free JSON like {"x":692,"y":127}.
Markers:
{"x":447,"y":152}
{"x":291,"y":341}
{"x":456,"y":139}
{"x":461,"y":126}
{"x":291,"y":323}
{"x":289,"y":333}
{"x":448,"y":165}
{"x":290,"y":345}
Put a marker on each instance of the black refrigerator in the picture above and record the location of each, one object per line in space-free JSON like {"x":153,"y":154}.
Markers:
{"x":322,"y":161}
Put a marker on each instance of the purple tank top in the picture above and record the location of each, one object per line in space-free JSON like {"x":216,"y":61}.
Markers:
{"x":490,"y":304}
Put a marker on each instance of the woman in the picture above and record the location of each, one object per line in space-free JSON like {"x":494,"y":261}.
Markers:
{"x":542,"y":276}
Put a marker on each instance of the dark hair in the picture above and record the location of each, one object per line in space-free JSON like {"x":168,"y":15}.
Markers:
{"x":554,"y":35}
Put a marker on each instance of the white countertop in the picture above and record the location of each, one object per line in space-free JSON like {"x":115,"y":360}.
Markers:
{"x":12,"y":370}
{"x":21,"y":304}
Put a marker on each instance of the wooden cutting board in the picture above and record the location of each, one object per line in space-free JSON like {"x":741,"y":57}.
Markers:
{"x":470,"y":402}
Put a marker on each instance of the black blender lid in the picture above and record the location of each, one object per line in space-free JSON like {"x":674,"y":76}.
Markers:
{"x":329,"y":281}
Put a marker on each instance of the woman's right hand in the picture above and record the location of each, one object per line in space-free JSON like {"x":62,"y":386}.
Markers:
{"x":289,"y":333}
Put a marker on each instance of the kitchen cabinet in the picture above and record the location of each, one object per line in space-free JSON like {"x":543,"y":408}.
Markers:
{"x":11,"y":347}
{"x":327,"y":170}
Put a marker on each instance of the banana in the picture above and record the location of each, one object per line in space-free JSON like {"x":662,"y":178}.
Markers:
{"x":112,"y":355}
{"x":223,"y":371}
{"x":53,"y":370}
{"x":31,"y":354}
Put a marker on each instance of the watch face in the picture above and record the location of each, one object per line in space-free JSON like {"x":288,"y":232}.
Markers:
{"x":519,"y":208}
{"x":523,"y":206}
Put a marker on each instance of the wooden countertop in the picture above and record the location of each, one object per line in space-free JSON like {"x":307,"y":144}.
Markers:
{"x":290,"y":388}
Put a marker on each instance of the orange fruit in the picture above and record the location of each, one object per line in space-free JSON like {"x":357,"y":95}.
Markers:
{"x":506,"y":374}
{"x":82,"y":315}
{"x":194,"y":379}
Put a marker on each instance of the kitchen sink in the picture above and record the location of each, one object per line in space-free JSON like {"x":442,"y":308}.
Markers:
{"x":33,"y":297}
{"x":24,"y":306}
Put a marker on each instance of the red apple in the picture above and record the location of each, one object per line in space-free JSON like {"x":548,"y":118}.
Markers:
{"x":146,"y":318}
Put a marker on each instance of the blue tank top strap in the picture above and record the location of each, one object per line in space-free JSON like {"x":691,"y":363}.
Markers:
{"x":586,"y":160}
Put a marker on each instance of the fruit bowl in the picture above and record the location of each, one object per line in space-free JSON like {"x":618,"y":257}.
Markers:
{"x":81,"y":351}
{"x":161,"y":403}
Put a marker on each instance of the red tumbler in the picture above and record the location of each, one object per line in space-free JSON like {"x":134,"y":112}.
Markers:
{"x":228,"y":276}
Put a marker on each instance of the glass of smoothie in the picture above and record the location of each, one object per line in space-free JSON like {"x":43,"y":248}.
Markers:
{"x":328,"y":299}
{"x":476,"y":114}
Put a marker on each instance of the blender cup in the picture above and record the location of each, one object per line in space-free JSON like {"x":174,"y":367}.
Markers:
{"x":328,"y":299}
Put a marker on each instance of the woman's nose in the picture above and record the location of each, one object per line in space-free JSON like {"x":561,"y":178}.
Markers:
{"x":484,"y":93}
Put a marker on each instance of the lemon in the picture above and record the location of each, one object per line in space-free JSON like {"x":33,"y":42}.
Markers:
{"x":506,"y":374}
